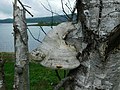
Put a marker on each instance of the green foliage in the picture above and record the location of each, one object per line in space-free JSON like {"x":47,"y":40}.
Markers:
{"x":9,"y":75}
{"x":41,"y":78}
{"x":47,"y":24}
{"x":7,"y":56}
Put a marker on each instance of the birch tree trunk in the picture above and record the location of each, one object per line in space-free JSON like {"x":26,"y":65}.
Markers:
{"x":21,"y":76}
{"x":100,"y":59}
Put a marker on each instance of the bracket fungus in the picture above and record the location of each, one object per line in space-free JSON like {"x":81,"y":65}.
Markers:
{"x":54,"y":53}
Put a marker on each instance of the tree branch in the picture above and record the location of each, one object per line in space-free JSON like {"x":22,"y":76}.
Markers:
{"x":33,"y":36}
{"x":73,"y":11}
{"x":68,"y":7}
{"x":64,"y":11}
{"x":24,"y":8}
{"x":28,"y":30}
{"x":69,"y":4}
{"x":62,"y":82}
{"x":52,"y":11}
{"x":43,"y":30}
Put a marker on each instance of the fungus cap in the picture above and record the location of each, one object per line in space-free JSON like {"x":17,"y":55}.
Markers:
{"x":57,"y":54}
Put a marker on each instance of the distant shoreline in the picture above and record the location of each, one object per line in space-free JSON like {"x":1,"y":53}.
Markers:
{"x":38,"y":24}
{"x":58,"y":19}
{"x":44,"y":24}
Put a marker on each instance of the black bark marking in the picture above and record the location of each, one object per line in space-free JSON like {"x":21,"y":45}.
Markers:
{"x":100,"y":12}
{"x":113,"y":40}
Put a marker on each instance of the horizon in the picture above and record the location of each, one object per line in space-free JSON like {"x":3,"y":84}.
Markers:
{"x":31,"y":17}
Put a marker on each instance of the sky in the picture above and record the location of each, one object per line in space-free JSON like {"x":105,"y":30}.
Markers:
{"x":6,"y":7}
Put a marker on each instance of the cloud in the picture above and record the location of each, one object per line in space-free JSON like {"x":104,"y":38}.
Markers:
{"x":39,"y":11}
{"x":6,"y":7}
{"x":3,"y":15}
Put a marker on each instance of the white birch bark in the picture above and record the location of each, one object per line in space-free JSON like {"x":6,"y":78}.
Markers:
{"x":96,"y":73}
{"x":97,"y":46}
{"x":21,"y":76}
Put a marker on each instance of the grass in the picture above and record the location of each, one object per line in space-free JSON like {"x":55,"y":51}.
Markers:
{"x":9,"y":75}
{"x":41,"y":78}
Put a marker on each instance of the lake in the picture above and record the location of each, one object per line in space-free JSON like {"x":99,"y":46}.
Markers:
{"x":7,"y":39}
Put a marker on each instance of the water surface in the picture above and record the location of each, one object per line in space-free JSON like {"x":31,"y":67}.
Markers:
{"x":7,"y":38}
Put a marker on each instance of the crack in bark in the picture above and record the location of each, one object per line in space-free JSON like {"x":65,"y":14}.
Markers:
{"x":113,"y":40}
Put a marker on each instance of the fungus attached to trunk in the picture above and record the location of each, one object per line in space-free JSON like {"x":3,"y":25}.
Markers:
{"x":54,"y":52}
